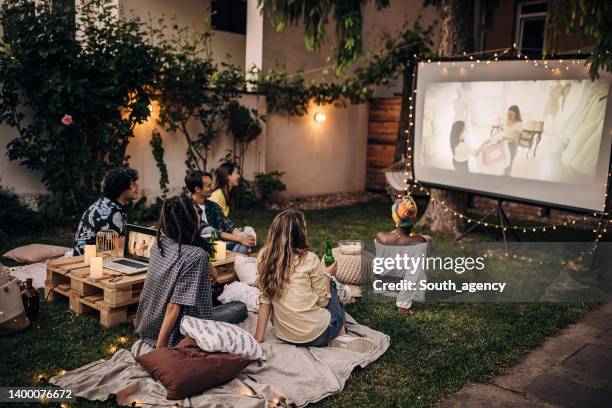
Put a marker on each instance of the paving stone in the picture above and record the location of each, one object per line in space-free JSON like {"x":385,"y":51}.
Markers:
{"x":571,"y":369}
{"x":566,"y":393}
{"x":593,"y":359}
{"x":482,"y":395}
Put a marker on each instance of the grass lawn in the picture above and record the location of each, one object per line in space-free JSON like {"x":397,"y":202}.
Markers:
{"x":442,"y":348}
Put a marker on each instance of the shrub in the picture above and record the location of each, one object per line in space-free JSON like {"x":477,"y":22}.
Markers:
{"x":73,"y":90}
{"x":15,"y":217}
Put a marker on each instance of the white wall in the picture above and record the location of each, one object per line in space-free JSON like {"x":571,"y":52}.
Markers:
{"x":319,"y":158}
{"x":191,"y":13}
{"x":175,"y":147}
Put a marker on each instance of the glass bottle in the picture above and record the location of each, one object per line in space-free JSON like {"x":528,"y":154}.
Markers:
{"x":329,"y":257}
{"x":31,"y":300}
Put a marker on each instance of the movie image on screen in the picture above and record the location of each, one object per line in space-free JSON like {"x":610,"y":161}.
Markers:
{"x":541,"y":130}
{"x":515,"y":130}
{"x":140,"y":244}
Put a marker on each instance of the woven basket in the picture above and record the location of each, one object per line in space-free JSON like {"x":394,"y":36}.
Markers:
{"x":11,"y":304}
{"x":352,"y":269}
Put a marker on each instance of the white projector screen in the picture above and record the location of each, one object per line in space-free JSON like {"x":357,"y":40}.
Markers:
{"x":513,"y":129}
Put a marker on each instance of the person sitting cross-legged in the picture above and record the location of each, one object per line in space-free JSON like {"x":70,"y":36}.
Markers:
{"x":119,"y":188}
{"x":296,"y":290}
{"x":178,"y":282}
{"x":199,"y":184}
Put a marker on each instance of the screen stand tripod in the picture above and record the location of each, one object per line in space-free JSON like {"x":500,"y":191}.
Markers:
{"x":502,"y":219}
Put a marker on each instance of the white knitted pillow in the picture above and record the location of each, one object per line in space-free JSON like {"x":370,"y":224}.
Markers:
{"x":221,"y":337}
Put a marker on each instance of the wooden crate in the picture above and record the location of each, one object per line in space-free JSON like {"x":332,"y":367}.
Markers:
{"x":115,"y":296}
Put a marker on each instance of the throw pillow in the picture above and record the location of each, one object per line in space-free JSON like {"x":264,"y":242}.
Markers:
{"x":185,"y":370}
{"x":215,"y":337}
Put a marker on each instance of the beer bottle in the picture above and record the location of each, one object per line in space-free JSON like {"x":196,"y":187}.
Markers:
{"x":213,"y":238}
{"x":329,"y":257}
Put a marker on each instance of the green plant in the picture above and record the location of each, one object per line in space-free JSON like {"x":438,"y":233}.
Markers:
{"x":15,"y":217}
{"x":267,"y":184}
{"x":139,"y":212}
{"x":193,"y":87}
{"x":157,"y":148}
{"x":258,"y":192}
{"x":73,"y":91}
{"x":245,"y":125}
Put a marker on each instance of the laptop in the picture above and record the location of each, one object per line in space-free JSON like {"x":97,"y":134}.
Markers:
{"x":136,"y":251}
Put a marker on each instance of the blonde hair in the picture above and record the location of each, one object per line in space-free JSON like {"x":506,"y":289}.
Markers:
{"x":286,"y":246}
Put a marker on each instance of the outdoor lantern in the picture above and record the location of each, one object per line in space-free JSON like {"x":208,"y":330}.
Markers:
{"x":319,"y":117}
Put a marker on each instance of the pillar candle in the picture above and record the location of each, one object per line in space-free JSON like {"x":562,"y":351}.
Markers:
{"x":95,"y":267}
{"x":90,"y":252}
{"x":221,"y":250}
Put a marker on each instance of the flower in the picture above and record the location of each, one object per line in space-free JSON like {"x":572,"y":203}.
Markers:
{"x":67,"y":120}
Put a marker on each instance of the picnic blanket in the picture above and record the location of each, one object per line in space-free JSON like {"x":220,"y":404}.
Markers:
{"x":290,"y":374}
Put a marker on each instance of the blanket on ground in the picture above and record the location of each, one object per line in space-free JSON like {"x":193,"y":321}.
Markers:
{"x":290,"y":375}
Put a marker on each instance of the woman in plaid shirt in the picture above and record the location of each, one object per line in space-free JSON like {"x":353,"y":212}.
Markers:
{"x":178,"y":282}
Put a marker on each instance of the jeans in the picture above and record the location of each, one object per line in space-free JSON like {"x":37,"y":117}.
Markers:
{"x":237,"y":247}
{"x":336,"y":310}
{"x":232,"y":312}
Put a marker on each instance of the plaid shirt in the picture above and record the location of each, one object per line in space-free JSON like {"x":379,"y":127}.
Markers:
{"x":184,"y":280}
{"x":216,"y":219}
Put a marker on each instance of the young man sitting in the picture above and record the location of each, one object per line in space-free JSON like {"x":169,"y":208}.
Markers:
{"x":199,"y":184}
{"x":119,"y":188}
{"x":178,"y":282}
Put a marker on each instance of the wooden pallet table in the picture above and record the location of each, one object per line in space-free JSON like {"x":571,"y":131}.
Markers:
{"x":115,"y":296}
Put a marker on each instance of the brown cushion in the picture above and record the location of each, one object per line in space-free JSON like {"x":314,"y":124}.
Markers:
{"x":186,"y":370}
{"x":33,"y":253}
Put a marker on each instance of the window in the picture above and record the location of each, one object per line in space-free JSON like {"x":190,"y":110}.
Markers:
{"x":229,"y":15}
{"x":530,"y":22}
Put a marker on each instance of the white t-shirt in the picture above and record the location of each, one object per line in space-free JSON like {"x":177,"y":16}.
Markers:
{"x":203,"y":207}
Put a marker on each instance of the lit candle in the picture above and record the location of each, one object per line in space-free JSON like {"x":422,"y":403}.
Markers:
{"x":95,"y":267}
{"x":220,"y":250}
{"x":90,"y":252}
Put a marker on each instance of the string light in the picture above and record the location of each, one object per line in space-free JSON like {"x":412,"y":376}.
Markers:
{"x":598,"y":232}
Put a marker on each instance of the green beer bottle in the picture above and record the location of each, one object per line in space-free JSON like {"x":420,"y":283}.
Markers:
{"x":329,"y":257}
{"x":213,"y":238}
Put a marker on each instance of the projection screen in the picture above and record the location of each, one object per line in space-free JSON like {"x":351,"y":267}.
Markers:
{"x":513,"y":129}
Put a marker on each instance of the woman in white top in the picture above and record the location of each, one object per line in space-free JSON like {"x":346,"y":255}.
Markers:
{"x":510,"y":132}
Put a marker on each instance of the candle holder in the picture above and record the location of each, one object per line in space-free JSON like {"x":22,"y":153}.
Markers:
{"x":107,"y":244}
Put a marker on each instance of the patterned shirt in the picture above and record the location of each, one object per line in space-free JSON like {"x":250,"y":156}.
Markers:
{"x":104,"y":214}
{"x":216,"y":219}
{"x":184,"y":280}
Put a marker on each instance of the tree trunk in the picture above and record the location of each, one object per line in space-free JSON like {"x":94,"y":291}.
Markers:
{"x":456,"y":36}
{"x":400,"y":144}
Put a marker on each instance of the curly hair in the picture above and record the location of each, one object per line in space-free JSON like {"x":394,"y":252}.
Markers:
{"x":117,"y":181}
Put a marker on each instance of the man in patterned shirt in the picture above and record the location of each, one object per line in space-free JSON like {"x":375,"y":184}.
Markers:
{"x":119,"y":188}
{"x":199,"y":184}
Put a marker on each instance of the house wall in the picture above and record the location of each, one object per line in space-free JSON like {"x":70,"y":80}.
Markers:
{"x":319,"y":158}
{"x":502,"y":32}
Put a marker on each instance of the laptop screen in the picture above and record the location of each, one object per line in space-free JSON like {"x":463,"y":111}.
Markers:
{"x":139,"y":242}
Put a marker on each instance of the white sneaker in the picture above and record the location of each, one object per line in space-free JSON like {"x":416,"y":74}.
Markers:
{"x":358,"y":344}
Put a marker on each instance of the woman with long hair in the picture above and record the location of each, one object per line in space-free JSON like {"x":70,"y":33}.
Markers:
{"x":510,"y":132}
{"x":178,"y":282}
{"x":459,"y":147}
{"x":227,"y":178}
{"x":296,"y":287}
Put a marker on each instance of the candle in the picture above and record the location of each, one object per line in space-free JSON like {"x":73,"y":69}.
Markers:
{"x":220,"y":250}
{"x":90,"y":252}
{"x":95,"y":267}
